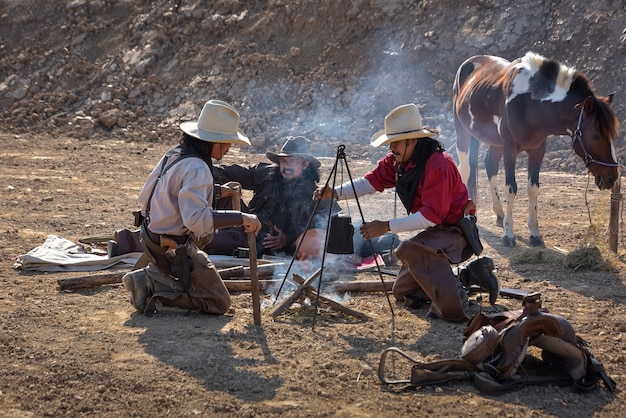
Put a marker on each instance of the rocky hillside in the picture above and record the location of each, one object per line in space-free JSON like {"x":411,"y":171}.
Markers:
{"x":330,"y":70}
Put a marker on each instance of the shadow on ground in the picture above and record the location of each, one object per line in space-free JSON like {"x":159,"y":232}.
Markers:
{"x":198,"y":345}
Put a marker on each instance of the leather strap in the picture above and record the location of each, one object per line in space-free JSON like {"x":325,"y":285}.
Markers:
{"x":226,"y":218}
{"x":156,"y":238}
{"x":432,"y":373}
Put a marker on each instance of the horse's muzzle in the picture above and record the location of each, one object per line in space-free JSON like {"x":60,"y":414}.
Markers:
{"x":605,"y":182}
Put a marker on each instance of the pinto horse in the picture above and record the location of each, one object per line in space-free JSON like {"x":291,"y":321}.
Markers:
{"x":514,"y":107}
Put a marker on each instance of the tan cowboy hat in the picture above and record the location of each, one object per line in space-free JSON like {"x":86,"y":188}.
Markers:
{"x":297,"y":146}
{"x":403,"y":122}
{"x":218,"y":122}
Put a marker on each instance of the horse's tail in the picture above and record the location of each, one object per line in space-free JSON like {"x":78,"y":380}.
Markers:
{"x":455,"y":91}
{"x":459,"y":79}
{"x":462,"y":73}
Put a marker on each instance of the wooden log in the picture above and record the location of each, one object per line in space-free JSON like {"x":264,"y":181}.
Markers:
{"x":229,"y":279}
{"x":236,"y":271}
{"x":323,"y":300}
{"x":514,"y":293}
{"x":79,"y":282}
{"x":237,"y":198}
{"x":254,"y":280}
{"x":114,"y":277}
{"x":245,"y":285}
{"x":361,"y":286}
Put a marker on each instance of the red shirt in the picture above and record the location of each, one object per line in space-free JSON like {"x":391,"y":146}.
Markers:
{"x":441,"y":195}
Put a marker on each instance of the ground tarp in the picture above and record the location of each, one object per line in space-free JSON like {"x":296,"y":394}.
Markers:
{"x":60,"y":254}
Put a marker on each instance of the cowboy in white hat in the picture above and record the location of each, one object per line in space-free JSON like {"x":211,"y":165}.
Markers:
{"x":282,"y":200}
{"x":178,"y":216}
{"x":429,"y":185}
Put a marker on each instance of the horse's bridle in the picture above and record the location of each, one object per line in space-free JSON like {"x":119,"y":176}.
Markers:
{"x":578,"y":136}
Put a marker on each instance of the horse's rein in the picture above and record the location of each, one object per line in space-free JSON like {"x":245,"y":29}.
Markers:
{"x":578,"y":136}
{"x":578,"y":133}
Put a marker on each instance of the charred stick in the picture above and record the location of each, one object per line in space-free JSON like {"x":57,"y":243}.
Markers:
{"x":312,"y":293}
{"x":286,"y":303}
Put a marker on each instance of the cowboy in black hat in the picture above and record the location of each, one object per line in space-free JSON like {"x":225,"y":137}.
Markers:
{"x":282,"y":199}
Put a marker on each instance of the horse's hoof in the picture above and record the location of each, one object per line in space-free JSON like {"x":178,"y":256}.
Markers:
{"x":508,"y":242}
{"x":500,"y":221}
{"x":536,"y":241}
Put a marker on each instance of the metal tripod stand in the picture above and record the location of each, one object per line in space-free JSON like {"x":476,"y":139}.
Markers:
{"x":340,"y":157}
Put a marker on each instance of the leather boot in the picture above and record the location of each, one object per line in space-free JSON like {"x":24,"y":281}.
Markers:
{"x":165,"y":289}
{"x":463,"y":298}
{"x":140,"y":287}
{"x":480,"y":272}
{"x":415,"y":300}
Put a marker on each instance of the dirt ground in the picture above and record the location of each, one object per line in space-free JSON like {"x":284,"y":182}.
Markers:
{"x":91,"y":95}
{"x":86,"y":352}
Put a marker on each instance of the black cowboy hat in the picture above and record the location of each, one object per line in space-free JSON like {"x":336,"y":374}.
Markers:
{"x":297,"y":146}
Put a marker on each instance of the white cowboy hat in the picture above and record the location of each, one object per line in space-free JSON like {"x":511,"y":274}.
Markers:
{"x":403,"y":122}
{"x":218,"y":122}
{"x":294,"y":146}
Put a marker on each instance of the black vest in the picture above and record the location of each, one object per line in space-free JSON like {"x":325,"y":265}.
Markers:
{"x":406,"y":186}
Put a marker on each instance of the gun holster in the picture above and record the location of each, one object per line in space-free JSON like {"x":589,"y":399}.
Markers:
{"x":139,"y":218}
{"x":180,"y":262}
{"x":468,"y":227}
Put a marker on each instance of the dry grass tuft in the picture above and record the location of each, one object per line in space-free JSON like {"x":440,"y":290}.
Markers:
{"x":593,"y":254}
{"x":588,"y":259}
{"x":534,"y":255}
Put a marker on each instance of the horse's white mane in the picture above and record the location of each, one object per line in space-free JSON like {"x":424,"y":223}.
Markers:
{"x":533,"y":62}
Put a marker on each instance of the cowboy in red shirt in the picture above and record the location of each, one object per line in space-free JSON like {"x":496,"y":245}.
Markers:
{"x":430,"y":187}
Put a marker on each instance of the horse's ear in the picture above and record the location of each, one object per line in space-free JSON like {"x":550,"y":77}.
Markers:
{"x":609,"y":98}
{"x":588,"y":105}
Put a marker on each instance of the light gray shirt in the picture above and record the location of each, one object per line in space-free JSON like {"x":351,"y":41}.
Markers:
{"x":182,"y":200}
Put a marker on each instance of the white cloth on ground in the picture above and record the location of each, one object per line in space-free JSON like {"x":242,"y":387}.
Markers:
{"x":60,"y":254}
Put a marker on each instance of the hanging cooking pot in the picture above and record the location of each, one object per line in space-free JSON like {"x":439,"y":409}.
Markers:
{"x":340,"y":240}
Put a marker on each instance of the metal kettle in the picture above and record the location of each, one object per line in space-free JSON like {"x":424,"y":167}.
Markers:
{"x":340,"y":239}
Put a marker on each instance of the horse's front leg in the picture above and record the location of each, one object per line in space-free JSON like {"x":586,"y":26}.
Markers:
{"x":510,"y":191}
{"x":492,"y":163}
{"x":464,"y":168}
{"x":534,"y":164}
{"x":467,"y":150}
